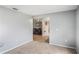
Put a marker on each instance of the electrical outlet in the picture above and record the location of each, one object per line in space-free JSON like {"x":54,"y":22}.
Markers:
{"x":65,"y":40}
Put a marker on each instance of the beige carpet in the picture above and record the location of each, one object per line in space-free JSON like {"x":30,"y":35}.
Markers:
{"x":35,"y":47}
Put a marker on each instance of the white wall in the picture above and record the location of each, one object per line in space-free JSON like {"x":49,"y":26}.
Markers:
{"x":77,"y":30}
{"x":62,"y":28}
{"x":15,"y":29}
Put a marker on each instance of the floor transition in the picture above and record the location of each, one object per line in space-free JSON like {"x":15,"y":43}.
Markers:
{"x":35,"y":47}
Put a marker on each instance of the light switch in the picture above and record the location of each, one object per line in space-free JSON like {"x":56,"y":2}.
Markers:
{"x":57,"y":29}
{"x":1,"y":44}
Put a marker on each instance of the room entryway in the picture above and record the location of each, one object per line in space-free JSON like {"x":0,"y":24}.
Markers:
{"x":41,"y":29}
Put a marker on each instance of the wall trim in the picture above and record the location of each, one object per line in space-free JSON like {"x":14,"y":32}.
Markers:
{"x":30,"y":41}
{"x":15,"y":47}
{"x":63,"y":46}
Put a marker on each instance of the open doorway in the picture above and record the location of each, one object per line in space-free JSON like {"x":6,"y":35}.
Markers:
{"x":41,"y":29}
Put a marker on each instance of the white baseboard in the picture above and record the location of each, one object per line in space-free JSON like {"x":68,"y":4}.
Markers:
{"x":31,"y":40}
{"x":15,"y":47}
{"x":63,"y":46}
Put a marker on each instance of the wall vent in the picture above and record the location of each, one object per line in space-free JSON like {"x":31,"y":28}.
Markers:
{"x":14,"y":8}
